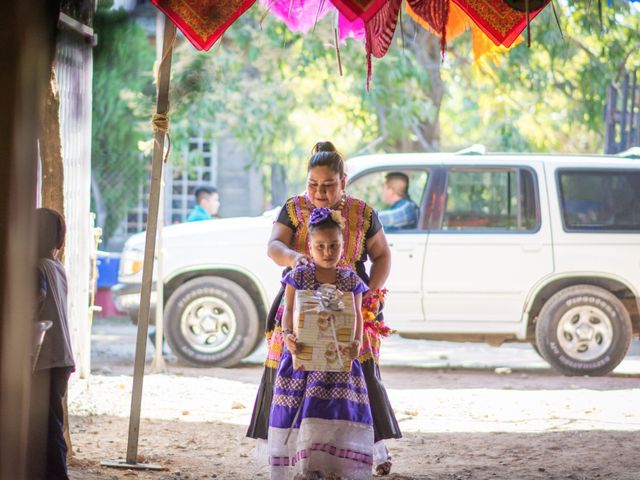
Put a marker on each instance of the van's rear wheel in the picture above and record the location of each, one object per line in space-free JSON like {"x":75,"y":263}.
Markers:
{"x":211,"y":321}
{"x":583,"y":330}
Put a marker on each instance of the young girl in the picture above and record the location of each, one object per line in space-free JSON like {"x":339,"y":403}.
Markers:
{"x":320,"y":424}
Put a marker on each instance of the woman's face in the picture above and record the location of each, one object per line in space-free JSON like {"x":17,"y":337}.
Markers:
{"x":325,"y":188}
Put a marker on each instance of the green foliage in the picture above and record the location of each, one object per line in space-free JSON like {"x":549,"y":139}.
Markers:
{"x":549,"y":97}
{"x":122,"y":82}
{"x":278,"y":92}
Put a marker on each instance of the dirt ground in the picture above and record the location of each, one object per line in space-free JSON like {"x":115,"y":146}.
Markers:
{"x":475,"y":424}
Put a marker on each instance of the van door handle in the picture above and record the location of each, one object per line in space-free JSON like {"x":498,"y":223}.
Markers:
{"x":536,"y":247}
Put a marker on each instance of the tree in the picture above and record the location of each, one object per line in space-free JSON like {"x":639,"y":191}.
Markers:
{"x":549,"y":97}
{"x":277,"y":92}
{"x":123,"y":92}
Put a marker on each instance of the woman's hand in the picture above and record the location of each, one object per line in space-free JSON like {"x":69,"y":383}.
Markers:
{"x":300,"y":259}
{"x":353,"y":350}
{"x":291,"y":341}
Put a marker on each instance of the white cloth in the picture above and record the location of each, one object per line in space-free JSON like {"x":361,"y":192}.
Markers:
{"x":338,"y":447}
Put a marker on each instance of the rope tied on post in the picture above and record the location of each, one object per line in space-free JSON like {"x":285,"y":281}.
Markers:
{"x":160,"y":123}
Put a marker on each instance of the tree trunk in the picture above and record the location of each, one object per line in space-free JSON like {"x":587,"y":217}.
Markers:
{"x":51,"y":149}
{"x":53,"y":178}
{"x":426,"y":47}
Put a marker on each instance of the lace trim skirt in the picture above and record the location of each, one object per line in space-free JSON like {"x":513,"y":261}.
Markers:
{"x":320,"y":422}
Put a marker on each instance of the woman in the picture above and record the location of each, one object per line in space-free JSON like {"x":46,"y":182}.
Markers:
{"x":288,"y":247}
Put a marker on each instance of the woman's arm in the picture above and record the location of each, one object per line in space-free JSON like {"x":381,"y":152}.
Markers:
{"x":287,"y":319}
{"x":278,"y":247}
{"x":380,"y":255}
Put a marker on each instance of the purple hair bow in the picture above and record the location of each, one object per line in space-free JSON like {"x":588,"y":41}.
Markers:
{"x":319,"y":215}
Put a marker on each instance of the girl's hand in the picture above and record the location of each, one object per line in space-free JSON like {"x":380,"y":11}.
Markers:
{"x":291,"y":341}
{"x":354,"y":350}
{"x":300,"y":259}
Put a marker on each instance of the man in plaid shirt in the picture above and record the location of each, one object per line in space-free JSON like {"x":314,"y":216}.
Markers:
{"x":402,"y":212}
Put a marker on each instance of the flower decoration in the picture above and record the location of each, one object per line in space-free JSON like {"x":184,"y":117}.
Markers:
{"x":319,"y":215}
{"x":373,"y":324}
{"x":323,"y":214}
{"x":337,"y":217}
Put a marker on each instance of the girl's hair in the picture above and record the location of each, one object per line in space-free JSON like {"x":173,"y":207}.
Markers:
{"x":323,"y":219}
{"x":324,"y":154}
{"x":51,"y":231}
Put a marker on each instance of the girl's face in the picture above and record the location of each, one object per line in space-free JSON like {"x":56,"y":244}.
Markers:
{"x":326,"y":247}
{"x":325,"y":188}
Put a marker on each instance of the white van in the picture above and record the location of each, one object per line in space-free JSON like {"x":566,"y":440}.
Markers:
{"x":526,"y":248}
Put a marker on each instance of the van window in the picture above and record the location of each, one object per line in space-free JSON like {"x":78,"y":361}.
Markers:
{"x":369,"y":187}
{"x":490,"y":199}
{"x":600,"y":200}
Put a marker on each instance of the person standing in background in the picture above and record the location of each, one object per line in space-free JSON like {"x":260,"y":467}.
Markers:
{"x":55,"y":363}
{"x":207,"y":204}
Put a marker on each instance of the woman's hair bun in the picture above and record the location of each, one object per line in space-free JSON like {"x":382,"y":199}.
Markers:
{"x":323,"y":147}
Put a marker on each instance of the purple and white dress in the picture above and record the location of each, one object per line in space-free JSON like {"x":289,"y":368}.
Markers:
{"x":332,"y":425}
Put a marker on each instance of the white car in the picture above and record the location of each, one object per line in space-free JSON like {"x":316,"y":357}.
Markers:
{"x":509,"y":248}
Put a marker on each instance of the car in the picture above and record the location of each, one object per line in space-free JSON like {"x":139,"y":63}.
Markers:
{"x":542,"y":249}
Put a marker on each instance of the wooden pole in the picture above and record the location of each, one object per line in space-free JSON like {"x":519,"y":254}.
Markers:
{"x":162,"y":107}
{"x":158,"y":365}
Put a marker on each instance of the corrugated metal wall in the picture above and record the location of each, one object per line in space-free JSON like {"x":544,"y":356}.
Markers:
{"x":74,"y":67}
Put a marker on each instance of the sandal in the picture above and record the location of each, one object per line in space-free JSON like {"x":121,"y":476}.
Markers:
{"x":383,"y":469}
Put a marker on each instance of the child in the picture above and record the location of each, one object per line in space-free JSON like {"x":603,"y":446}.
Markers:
{"x":320,"y":424}
{"x":55,"y":361}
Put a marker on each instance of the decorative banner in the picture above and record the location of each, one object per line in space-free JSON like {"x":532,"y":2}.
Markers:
{"x":350,"y":29}
{"x":458,"y":21}
{"x":379,"y":32}
{"x":380,"y":29}
{"x":524,"y":5}
{"x":436,"y":14}
{"x":501,"y":23}
{"x":203,"y":21}
{"x":484,"y":49}
{"x":298,"y":15}
{"x":302,"y":15}
{"x":354,"y":9}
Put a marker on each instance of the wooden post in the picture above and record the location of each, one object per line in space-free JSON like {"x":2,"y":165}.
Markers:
{"x":158,"y":365}
{"x":162,"y":107}
{"x":26,"y":32}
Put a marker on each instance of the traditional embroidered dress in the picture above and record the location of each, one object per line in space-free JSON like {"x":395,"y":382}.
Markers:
{"x":320,"y":421}
{"x":361,"y":224}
